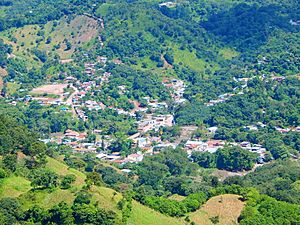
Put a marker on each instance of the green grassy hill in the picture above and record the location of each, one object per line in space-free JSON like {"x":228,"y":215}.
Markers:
{"x":14,"y":186}
{"x":19,"y":187}
{"x":144,"y":215}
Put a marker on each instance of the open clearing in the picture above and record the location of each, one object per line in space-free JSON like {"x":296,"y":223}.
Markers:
{"x":228,"y":53}
{"x":14,"y":186}
{"x":105,"y":197}
{"x":228,"y":207}
{"x":142,"y":215}
{"x":56,"y":89}
{"x":12,"y":88}
{"x":45,"y":198}
{"x":63,"y":170}
{"x":176,"y":197}
{"x":51,"y":37}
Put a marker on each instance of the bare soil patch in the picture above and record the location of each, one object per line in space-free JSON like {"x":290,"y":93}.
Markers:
{"x":64,"y":61}
{"x":88,"y":28}
{"x":227,"y":207}
{"x":56,"y":89}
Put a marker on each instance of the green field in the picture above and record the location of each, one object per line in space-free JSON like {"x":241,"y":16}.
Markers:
{"x":228,"y":53}
{"x":105,"y":197}
{"x":189,"y":59}
{"x":12,"y":88}
{"x":142,"y":215}
{"x":45,"y":198}
{"x":14,"y":186}
{"x":62,"y":169}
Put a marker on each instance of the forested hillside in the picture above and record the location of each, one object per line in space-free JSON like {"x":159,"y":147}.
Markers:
{"x":149,"y":112}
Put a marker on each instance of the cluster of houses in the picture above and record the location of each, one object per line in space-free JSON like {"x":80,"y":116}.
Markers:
{"x":154,"y":122}
{"x":279,"y":129}
{"x":168,"y":4}
{"x":90,"y":68}
{"x":255,"y":127}
{"x":221,"y":98}
{"x":79,"y":100}
{"x":117,"y":158}
{"x":255,"y":148}
{"x":148,"y":146}
{"x":286,"y":130}
{"x":178,"y":87}
{"x":295,"y":23}
{"x":70,"y":134}
{"x":76,"y":140}
{"x":239,"y":90}
{"x":42,"y":100}
{"x":93,"y":105}
{"x":151,"y":122}
{"x":212,"y":146}
{"x":155,"y":104}
{"x":47,"y":101}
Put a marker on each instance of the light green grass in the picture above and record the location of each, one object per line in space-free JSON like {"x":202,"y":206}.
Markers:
{"x":228,"y":53}
{"x":102,"y":195}
{"x":13,"y":186}
{"x":177,"y":197}
{"x":142,"y":215}
{"x":150,"y":65}
{"x":12,"y":88}
{"x":105,"y":197}
{"x":62,"y":169}
{"x":188,"y":59}
{"x":2,"y":13}
{"x":46,"y":198}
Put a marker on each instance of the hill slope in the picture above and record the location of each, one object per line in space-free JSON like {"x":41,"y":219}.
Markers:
{"x":227,"y":208}
{"x":61,"y":37}
{"x":19,"y":187}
